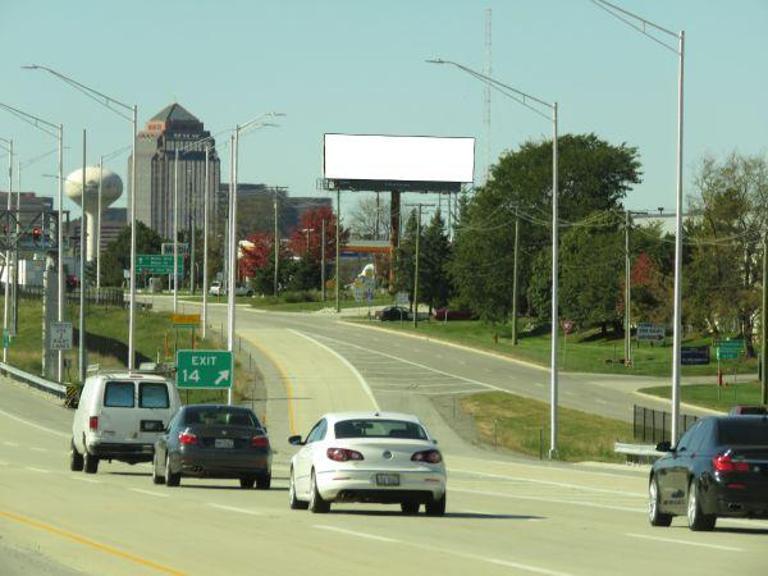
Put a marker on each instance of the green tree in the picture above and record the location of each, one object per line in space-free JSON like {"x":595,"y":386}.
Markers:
{"x":406,"y":255}
{"x":433,"y":266}
{"x":117,"y":256}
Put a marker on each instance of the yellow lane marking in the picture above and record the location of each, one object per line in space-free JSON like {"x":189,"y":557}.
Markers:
{"x":88,"y":542}
{"x":286,"y":382}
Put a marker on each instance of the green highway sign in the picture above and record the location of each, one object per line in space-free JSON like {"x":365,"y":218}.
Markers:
{"x":204,"y":369}
{"x":160,"y":264}
{"x":729,"y":349}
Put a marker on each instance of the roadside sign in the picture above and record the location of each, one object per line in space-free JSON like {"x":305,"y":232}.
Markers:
{"x":204,"y":369}
{"x":159,"y":264}
{"x":61,"y":336}
{"x":6,"y":338}
{"x":648,"y":332}
{"x":729,"y":349}
{"x":694,"y":355}
{"x":167,"y":248}
{"x":402,"y":299}
{"x":192,"y":320}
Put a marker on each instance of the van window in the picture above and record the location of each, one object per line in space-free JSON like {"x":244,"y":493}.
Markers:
{"x":153,"y":395}
{"x":118,"y":395}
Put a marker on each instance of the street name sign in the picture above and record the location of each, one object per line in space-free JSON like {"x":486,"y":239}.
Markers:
{"x":61,"y":336}
{"x":647,"y":332}
{"x":204,"y":369}
{"x":160,"y":264}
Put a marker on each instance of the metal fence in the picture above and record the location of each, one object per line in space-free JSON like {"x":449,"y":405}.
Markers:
{"x":103,"y":297}
{"x":653,"y":426}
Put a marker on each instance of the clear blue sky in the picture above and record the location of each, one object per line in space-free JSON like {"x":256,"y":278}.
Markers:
{"x":358,"y":67}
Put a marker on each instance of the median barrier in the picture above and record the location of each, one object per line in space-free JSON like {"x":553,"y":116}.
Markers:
{"x":637,"y":453}
{"x":35,"y":381}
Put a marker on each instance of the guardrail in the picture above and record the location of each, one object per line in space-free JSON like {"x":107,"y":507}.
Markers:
{"x":35,"y":381}
{"x":637,"y":453}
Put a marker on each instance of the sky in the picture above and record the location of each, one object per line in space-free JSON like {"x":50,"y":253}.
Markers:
{"x":358,"y":67}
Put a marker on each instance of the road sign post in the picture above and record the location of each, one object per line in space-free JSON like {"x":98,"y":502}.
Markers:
{"x":201,"y":369}
{"x":61,"y":336}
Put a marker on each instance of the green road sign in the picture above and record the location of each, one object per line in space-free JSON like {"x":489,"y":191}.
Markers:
{"x":160,"y":264}
{"x":729,"y":349}
{"x":204,"y":369}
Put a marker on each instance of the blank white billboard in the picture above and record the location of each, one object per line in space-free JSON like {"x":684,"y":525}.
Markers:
{"x":399,"y":158}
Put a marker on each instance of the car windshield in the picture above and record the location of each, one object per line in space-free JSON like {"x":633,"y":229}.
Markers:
{"x":743,"y":432}
{"x":376,"y":428}
{"x":220,"y":416}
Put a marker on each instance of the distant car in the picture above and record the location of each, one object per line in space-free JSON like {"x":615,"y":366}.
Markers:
{"x":441,"y":313}
{"x":243,"y":291}
{"x":392,"y":313}
{"x":386,"y":458}
{"x":216,"y":289}
{"x":738,"y":410}
{"x":214,"y":441}
{"x":719,"y":468}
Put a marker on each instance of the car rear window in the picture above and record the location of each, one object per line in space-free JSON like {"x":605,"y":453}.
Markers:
{"x":153,"y":395}
{"x":376,"y":428}
{"x":118,"y":395}
{"x":221,"y":417}
{"x":746,"y":431}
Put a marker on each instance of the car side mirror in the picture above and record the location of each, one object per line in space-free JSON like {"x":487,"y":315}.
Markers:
{"x":664,"y":446}
{"x":295,"y":441}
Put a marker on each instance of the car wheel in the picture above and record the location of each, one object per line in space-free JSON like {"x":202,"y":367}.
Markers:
{"x":436,"y":507}
{"x":75,"y":458}
{"x":293,"y":501}
{"x":171,"y":479}
{"x":90,"y":463}
{"x":247,"y":482}
{"x":156,"y":478}
{"x":655,"y":517}
{"x":409,"y":508}
{"x":264,"y":481}
{"x":697,"y":520}
{"x":316,"y":502}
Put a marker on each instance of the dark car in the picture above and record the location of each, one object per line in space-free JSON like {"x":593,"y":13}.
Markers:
{"x":214,"y":441}
{"x":392,"y":313}
{"x":448,"y":314}
{"x":719,"y":468}
{"x":738,"y":410}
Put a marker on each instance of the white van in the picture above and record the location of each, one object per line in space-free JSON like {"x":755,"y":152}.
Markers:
{"x":119,"y":417}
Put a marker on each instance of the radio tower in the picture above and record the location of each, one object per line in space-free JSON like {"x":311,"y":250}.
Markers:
{"x":487,"y":99}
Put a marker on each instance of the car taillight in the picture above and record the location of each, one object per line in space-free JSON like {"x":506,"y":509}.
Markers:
{"x":342,"y":454}
{"x":93,"y":423}
{"x":187,"y":438}
{"x":260,"y":442}
{"x":725,"y":463}
{"x":430,"y":456}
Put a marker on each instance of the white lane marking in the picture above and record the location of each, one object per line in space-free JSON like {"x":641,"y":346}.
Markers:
{"x":418,"y":365}
{"x":12,"y":444}
{"x":36,"y":449}
{"x":355,"y":533}
{"x":234,"y":509}
{"x":41,"y":470}
{"x":447,"y":392}
{"x":85,"y":479}
{"x":550,"y":483}
{"x":444,"y":551}
{"x":687,"y":542}
{"x":550,"y":500}
{"x":347,"y":363}
{"x":33,"y":425}
{"x":149,"y":492}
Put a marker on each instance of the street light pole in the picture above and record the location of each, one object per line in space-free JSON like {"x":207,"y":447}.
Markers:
{"x":81,"y":356}
{"x":514,"y":279}
{"x":175,"y":231}
{"x":205,"y":242}
{"x":7,"y":263}
{"x":338,"y":250}
{"x":98,"y":230}
{"x":322,"y":261}
{"x":276,"y":242}
{"x":232,"y":256}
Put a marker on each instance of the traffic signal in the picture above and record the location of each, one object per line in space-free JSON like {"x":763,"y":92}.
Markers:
{"x":37,"y":235}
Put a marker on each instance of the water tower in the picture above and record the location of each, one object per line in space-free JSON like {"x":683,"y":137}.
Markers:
{"x":111,"y":188}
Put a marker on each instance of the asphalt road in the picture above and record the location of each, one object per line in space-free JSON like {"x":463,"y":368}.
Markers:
{"x":505,"y":515}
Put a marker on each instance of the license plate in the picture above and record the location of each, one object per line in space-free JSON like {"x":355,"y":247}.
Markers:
{"x":152,"y":426}
{"x":223,"y":443}
{"x":388,"y":479}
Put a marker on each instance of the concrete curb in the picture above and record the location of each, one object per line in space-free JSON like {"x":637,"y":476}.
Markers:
{"x":448,"y":343}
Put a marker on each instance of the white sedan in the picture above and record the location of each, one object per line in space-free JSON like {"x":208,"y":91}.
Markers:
{"x":381,"y":457}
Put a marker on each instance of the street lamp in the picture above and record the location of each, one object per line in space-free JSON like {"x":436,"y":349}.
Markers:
{"x":115,"y":106}
{"x":110,"y":156}
{"x":642,"y":25}
{"x":535,"y":104}
{"x":7,"y":146}
{"x":55,"y":131}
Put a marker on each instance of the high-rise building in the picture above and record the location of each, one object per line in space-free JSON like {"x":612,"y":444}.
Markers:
{"x":170,"y":129}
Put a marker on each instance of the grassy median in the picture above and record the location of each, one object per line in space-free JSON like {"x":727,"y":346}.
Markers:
{"x":721,"y":398}
{"x":522,"y":425}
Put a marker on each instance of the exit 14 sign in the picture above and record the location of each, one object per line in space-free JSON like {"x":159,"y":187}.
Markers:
{"x":204,"y":369}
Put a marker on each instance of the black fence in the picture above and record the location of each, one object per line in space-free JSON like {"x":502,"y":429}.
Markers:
{"x":652,"y":426}
{"x":103,"y":296}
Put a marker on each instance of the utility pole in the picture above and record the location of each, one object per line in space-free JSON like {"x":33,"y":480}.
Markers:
{"x":763,"y":327}
{"x":322,"y":261}
{"x":6,"y":263}
{"x":514,"y":280}
{"x":338,"y":249}
{"x":276,"y":242}
{"x":193,"y":230}
{"x":627,"y":294}
{"x":416,"y":266}
{"x":81,"y":341}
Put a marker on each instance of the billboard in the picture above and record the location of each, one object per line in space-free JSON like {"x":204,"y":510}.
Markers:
{"x":368,"y":162}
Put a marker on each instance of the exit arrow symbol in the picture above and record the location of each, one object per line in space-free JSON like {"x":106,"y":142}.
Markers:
{"x":223,"y":376}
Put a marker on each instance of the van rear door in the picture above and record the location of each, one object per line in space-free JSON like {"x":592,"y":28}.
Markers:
{"x":155,"y":406}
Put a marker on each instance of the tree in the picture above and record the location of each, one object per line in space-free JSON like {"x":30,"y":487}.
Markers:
{"x":434,"y":283}
{"x":117,"y":256}
{"x":406,"y":256}
{"x":369,"y":221}
{"x":306,"y":242}
{"x":257,"y":263}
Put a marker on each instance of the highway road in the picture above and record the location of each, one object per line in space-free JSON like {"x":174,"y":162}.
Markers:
{"x":505,"y":515}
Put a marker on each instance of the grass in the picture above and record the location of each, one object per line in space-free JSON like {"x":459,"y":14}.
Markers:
{"x":579,"y":352}
{"x":721,"y":398}
{"x":522,"y":425}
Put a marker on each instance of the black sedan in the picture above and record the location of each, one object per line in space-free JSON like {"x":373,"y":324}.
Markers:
{"x":719,"y":468}
{"x":392,"y":313}
{"x":214,"y":441}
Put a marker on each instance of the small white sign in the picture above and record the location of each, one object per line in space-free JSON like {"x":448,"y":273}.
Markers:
{"x":61,"y":336}
{"x":402,"y":299}
{"x":650,"y":332}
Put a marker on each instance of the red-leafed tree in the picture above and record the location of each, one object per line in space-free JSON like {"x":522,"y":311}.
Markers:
{"x":306,"y":239}
{"x":259,"y":254}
